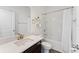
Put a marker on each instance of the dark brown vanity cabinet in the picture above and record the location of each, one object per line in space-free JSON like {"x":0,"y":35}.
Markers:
{"x":34,"y":49}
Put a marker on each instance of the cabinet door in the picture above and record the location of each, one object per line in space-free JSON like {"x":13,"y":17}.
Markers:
{"x":36,"y":48}
{"x":7,"y":23}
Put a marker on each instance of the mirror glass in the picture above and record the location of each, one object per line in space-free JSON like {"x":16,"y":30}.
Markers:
{"x":7,"y":23}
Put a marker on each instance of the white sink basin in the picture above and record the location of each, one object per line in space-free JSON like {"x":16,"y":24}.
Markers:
{"x":22,"y":42}
{"x":26,"y":39}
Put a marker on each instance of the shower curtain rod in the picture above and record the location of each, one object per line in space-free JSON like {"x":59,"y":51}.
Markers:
{"x":56,"y":10}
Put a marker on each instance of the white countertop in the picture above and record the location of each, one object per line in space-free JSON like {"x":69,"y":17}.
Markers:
{"x":17,"y":46}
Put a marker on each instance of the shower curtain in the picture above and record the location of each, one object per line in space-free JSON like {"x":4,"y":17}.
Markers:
{"x":58,"y":29}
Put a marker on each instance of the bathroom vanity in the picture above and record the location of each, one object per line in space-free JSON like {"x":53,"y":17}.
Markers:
{"x":36,"y":48}
{"x":30,"y":44}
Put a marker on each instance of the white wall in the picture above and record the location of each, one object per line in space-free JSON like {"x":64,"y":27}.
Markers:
{"x":54,"y":8}
{"x":36,"y":11}
{"x":22,"y":17}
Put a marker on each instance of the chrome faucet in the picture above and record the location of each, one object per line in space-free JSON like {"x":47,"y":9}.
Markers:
{"x":20,"y":36}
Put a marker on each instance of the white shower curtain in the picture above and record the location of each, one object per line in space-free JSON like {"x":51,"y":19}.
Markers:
{"x":67,"y":27}
{"x":58,"y":29}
